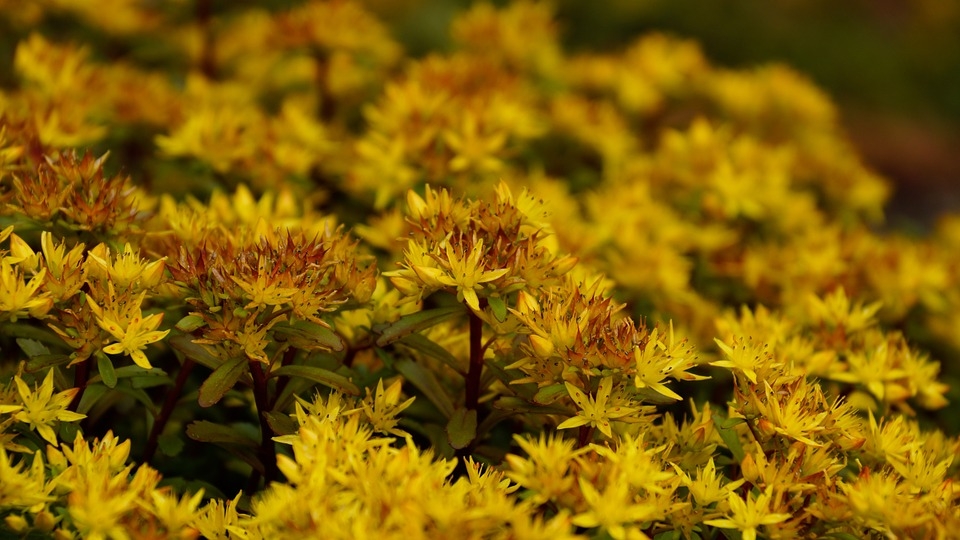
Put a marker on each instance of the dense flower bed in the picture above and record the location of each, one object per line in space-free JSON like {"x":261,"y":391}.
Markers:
{"x":265,"y":276}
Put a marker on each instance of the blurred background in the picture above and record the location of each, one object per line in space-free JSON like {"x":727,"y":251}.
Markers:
{"x":892,"y":66}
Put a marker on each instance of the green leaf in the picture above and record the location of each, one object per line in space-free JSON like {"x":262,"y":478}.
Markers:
{"x":549,"y":394}
{"x":426,"y":381}
{"x":308,"y":335}
{"x":105,"y":369}
{"x":416,"y":322}
{"x":728,"y":423}
{"x":498,"y":306}
{"x":190,"y":323}
{"x":319,"y":375}
{"x":170,"y":444}
{"x":137,"y":394}
{"x":91,"y":395}
{"x":32,"y":347}
{"x":281,"y":423}
{"x":841,"y":536}
{"x":44,"y":361}
{"x":221,"y":380}
{"x":204,"y":431}
{"x":462,"y":428}
{"x":133,"y":372}
{"x":422,"y":343}
{"x":195,"y":351}
{"x":729,"y":436}
{"x":518,"y":405}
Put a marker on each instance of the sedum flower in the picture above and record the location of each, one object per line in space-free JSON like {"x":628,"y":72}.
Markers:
{"x":64,"y":268}
{"x":709,"y":487}
{"x":18,"y":297}
{"x":23,"y":486}
{"x":22,"y":254}
{"x":747,"y":515}
{"x":465,"y":273}
{"x":41,"y":408}
{"x":743,"y":357}
{"x":126,"y":269}
{"x":595,"y":411}
{"x":382,"y":408}
{"x":132,"y":334}
{"x":614,"y":509}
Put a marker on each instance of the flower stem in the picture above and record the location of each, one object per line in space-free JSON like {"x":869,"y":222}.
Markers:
{"x":288,"y":357}
{"x":169,"y":403}
{"x":80,"y":377}
{"x":584,"y":436}
{"x":476,"y":361}
{"x":261,"y":396}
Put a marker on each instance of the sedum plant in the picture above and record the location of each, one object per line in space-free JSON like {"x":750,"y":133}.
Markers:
{"x":263,"y":275}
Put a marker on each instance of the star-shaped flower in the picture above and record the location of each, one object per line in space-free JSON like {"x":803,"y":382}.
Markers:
{"x":595,"y":411}
{"x":41,"y":408}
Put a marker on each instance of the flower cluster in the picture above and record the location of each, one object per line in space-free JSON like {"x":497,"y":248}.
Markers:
{"x":324,"y":289}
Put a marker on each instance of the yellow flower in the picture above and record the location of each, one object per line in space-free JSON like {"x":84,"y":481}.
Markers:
{"x":614,"y":509}
{"x":595,"y":411}
{"x":23,"y":487}
{"x":473,"y":148}
{"x":747,"y":515}
{"x":466,"y":274}
{"x":745,"y":357}
{"x":709,"y":487}
{"x":17,"y":297}
{"x":382,"y":408}
{"x":22,"y":255}
{"x":41,"y":408}
{"x":652,"y":367}
{"x":126,"y":269}
{"x":64,"y":268}
{"x":132,"y":335}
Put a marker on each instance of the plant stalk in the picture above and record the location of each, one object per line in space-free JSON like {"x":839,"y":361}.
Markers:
{"x":80,"y":378}
{"x":169,"y":403}
{"x":268,"y":455}
{"x":476,"y":361}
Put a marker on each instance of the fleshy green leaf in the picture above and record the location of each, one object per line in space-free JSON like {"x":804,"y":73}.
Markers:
{"x":44,"y":361}
{"x":429,"y":347}
{"x":105,"y":368}
{"x":32,"y":347}
{"x":319,"y":375}
{"x":426,"y":381}
{"x":195,"y":351}
{"x":134,"y":372}
{"x":308,"y":335}
{"x":549,"y":394}
{"x":221,"y":380}
{"x":498,"y":306}
{"x":416,"y":322}
{"x":462,"y":428}
{"x":205,"y":431}
{"x":190,"y":323}
{"x":281,"y":423}
{"x":729,"y":435}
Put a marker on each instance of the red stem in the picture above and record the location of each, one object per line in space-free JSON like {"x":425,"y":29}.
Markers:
{"x":169,"y":403}
{"x":476,"y":361}
{"x":80,"y":378}
{"x":268,"y":455}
